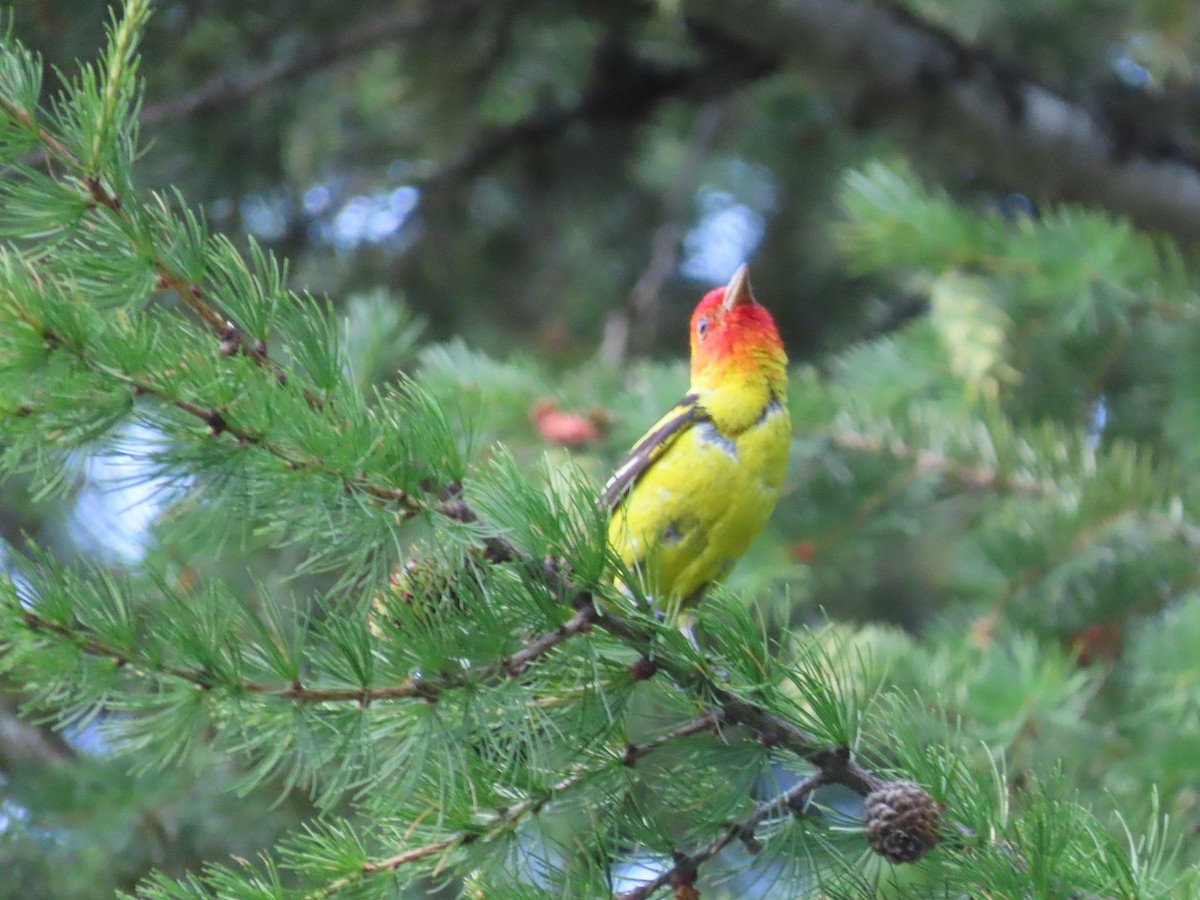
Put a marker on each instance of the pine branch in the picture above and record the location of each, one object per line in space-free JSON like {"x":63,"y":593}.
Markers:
{"x":418,"y":687}
{"x":834,"y":765}
{"x":218,"y":423}
{"x":233,"y":339}
{"x":54,"y":147}
{"x":771,"y":729}
{"x":121,"y":657}
{"x":1166,"y":527}
{"x":507,"y":819}
{"x":979,"y":477}
{"x":683,"y":873}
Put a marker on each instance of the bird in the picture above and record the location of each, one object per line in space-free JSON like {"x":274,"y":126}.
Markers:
{"x":700,"y":485}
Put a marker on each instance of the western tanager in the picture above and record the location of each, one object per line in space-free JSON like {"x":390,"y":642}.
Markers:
{"x":700,"y":485}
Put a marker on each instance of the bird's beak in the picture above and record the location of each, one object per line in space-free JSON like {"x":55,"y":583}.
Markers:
{"x":737,"y":293}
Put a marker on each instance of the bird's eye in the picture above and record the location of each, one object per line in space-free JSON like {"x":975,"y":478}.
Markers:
{"x":702,"y":327}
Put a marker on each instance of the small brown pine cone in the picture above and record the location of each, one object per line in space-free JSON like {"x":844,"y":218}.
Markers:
{"x":901,"y":821}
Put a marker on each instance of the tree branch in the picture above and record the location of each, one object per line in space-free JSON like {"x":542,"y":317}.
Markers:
{"x":233,"y":339}
{"x":423,"y":688}
{"x":770,"y":728}
{"x":683,"y":872}
{"x":23,"y":743}
{"x":217,"y":423}
{"x":624,"y":88}
{"x":1170,"y":525}
{"x":508,"y":818}
{"x":225,"y":89}
{"x":1037,"y":139}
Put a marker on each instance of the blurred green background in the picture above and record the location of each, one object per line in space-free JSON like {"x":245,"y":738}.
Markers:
{"x":549,"y":186}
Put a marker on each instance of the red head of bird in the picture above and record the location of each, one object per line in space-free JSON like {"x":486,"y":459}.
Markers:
{"x":734,"y":337}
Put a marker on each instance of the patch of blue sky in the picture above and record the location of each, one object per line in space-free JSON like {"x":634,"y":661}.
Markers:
{"x":11,"y":814}
{"x":120,"y":498}
{"x":265,"y":215}
{"x":631,"y":873}
{"x":15,"y":817}
{"x":317,"y":199}
{"x":1097,"y":421}
{"x":732,"y":222}
{"x":373,"y":218}
{"x":1124,"y":65}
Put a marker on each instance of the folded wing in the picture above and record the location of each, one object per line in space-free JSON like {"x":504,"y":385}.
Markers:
{"x":683,"y":415}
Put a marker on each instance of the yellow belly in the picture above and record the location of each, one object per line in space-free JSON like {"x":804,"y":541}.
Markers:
{"x":696,"y":510}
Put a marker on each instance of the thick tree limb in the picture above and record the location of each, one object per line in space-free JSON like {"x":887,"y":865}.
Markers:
{"x":226,"y":89}
{"x":1038,"y":140}
{"x":23,"y":744}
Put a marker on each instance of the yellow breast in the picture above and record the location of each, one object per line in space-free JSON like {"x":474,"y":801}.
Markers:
{"x":696,"y":510}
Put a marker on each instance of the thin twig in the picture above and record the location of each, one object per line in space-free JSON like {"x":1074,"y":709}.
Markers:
{"x":512,"y":815}
{"x":770,"y":728}
{"x":122,"y":657}
{"x":683,"y":872}
{"x":193,"y":298}
{"x":218,"y":423}
{"x":56,"y":147}
{"x":233,"y":338}
{"x":424,"y":688}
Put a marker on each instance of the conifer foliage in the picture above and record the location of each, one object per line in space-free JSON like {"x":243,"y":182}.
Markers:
{"x":445,"y":693}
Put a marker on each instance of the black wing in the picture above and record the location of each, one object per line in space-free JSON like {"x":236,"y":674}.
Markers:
{"x":648,"y":449}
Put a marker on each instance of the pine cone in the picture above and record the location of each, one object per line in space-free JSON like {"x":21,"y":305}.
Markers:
{"x":901,"y":821}
{"x":423,"y":584}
